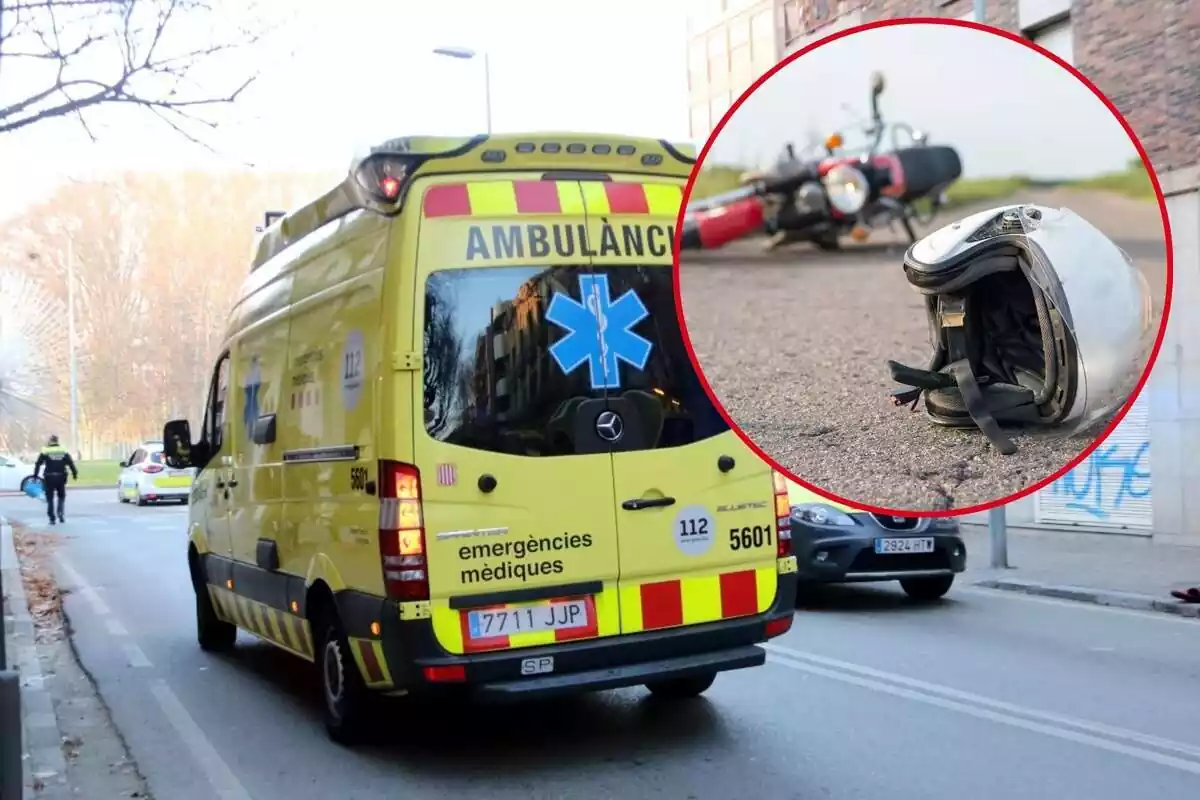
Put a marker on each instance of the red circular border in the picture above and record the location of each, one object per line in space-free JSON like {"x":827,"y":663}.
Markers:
{"x":1162,"y":206}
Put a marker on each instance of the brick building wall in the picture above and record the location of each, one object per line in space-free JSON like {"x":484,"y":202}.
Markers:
{"x":1143,"y":54}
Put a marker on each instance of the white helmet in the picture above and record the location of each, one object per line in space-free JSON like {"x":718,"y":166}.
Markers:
{"x":1036,"y":317}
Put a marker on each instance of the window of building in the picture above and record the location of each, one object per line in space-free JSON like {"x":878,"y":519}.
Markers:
{"x":718,"y":59}
{"x":739,"y":31}
{"x":1056,"y":37}
{"x":700,"y":128}
{"x":741,"y":68}
{"x":717,"y":107}
{"x":762,"y":36}
{"x":697,"y":67}
{"x":793,"y":20}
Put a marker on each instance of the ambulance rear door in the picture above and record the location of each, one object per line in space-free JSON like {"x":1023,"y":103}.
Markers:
{"x":695,"y":507}
{"x":517,"y":493}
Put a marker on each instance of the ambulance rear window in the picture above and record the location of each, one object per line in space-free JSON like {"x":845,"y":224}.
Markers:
{"x":515,"y":355}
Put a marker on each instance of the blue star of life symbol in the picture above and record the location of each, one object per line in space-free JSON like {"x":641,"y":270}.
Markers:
{"x":598,"y":331}
{"x":250,"y":399}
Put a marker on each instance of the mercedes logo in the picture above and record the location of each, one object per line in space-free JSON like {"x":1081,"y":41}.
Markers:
{"x":609,"y":426}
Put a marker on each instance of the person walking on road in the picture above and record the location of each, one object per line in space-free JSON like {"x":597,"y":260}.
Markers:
{"x":54,"y":461}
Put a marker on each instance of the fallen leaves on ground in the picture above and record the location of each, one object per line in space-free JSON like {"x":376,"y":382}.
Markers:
{"x":36,"y":554}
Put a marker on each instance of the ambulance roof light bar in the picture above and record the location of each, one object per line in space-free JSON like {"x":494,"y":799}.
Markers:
{"x":379,"y":175}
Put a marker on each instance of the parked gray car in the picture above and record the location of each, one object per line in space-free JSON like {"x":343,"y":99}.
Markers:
{"x":837,"y":544}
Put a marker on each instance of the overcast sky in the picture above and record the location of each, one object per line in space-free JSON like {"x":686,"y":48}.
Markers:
{"x":1008,"y":109}
{"x":363,"y":72}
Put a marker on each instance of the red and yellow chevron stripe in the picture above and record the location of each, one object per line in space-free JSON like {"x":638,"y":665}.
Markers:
{"x":517,"y":198}
{"x":696,"y":600}
{"x":286,"y":630}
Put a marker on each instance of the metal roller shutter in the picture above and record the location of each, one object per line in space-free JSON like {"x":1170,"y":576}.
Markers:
{"x":1112,"y":487}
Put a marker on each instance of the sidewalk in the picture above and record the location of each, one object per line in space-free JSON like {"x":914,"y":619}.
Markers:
{"x":1108,"y":569}
{"x":71,"y":747}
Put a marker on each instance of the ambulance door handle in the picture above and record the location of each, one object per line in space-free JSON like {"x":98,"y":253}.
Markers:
{"x":649,"y":502}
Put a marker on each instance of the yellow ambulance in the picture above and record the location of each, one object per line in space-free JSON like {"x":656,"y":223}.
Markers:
{"x":455,"y":439}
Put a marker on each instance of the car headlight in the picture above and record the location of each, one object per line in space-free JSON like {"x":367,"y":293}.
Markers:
{"x":823,"y":515}
{"x":847,"y":189}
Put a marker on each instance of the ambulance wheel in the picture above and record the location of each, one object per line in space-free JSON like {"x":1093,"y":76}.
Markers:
{"x":682,"y":688}
{"x":214,"y":634}
{"x":346,"y":696}
{"x":141,"y":501}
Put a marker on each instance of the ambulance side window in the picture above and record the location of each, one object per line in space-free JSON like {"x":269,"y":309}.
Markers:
{"x":214,"y":421}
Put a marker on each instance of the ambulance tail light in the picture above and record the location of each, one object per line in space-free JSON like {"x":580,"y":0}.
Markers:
{"x":385,"y":176}
{"x":783,"y":516}
{"x":402,"y":532}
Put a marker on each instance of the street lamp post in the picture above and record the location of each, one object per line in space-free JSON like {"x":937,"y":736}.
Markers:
{"x":466,"y":53}
{"x":71,"y":345}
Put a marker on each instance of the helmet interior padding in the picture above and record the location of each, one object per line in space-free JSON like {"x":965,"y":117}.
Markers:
{"x":1000,"y":349}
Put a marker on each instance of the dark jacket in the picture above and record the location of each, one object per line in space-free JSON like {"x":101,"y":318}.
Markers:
{"x":54,"y":462}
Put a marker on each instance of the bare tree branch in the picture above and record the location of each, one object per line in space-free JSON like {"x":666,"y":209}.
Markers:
{"x":151,"y":49}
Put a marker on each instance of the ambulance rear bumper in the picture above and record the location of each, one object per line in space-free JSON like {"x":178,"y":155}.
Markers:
{"x":415,"y":656}
{"x":618,"y":677}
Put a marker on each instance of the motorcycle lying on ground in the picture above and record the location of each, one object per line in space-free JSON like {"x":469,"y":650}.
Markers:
{"x":822,"y":199}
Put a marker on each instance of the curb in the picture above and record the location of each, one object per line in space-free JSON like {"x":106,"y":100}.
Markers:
{"x":42,"y":738}
{"x":1100,"y":597}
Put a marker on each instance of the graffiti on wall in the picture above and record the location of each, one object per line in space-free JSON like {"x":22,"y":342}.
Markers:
{"x":1112,"y":475}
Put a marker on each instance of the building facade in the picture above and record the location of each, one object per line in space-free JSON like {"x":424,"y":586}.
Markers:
{"x":730,"y":44}
{"x":1145,"y":57}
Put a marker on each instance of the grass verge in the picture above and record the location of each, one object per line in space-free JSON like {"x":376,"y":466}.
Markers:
{"x":1133,"y":182}
{"x":97,"y":473}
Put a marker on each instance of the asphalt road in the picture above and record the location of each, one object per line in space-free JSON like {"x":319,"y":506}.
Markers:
{"x":986,"y":695}
{"x":795,"y":345}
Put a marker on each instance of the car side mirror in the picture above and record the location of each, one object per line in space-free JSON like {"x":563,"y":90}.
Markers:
{"x":124,"y":464}
{"x":177,"y":444}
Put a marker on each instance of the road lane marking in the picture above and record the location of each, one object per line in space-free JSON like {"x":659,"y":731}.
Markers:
{"x":1052,"y":724}
{"x":222,"y":779}
{"x":135,"y":655}
{"x":1004,"y":594}
{"x":89,"y":594}
{"x":1000,"y":705}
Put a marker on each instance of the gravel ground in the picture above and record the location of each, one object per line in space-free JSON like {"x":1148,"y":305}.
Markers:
{"x":795,"y":344}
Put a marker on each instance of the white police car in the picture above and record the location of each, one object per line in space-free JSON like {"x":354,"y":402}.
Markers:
{"x":145,"y":478}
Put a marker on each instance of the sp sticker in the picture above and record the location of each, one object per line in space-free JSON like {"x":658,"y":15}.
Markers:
{"x":695,"y":530}
{"x":537,"y":666}
{"x":352,"y":369}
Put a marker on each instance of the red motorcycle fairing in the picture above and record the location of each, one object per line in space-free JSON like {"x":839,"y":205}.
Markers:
{"x":717,"y":227}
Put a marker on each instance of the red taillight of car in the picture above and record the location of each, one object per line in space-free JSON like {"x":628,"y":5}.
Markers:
{"x":152,"y":468}
{"x":402,"y":532}
{"x":783,"y":516}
